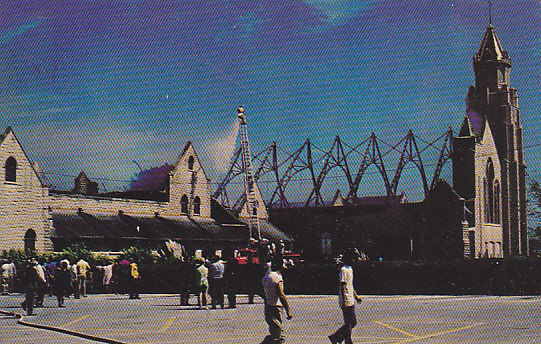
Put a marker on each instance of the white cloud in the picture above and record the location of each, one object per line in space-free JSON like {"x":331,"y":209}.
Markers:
{"x":8,"y":35}
{"x":339,"y":11}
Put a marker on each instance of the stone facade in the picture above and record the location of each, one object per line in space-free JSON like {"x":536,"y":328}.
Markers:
{"x":27,"y":207}
{"x":24,"y":200}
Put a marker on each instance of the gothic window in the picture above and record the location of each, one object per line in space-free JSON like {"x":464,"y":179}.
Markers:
{"x":11,"y":169}
{"x":326,"y":243}
{"x":30,"y":241}
{"x":485,"y":200}
{"x":193,"y":179}
{"x":184,"y":204}
{"x":496,"y":201}
{"x":254,"y":209}
{"x":489,"y":193}
{"x":190,"y":162}
{"x":197,"y":205}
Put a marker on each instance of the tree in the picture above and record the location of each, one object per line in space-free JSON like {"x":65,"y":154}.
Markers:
{"x":534,"y":213}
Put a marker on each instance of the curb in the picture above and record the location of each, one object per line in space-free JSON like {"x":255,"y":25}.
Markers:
{"x":21,"y":321}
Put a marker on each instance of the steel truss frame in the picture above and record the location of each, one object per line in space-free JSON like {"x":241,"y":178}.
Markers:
{"x":280,"y":167}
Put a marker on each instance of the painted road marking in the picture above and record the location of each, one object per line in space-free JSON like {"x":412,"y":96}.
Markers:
{"x":415,"y":338}
{"x":168,"y":324}
{"x":76,"y":321}
{"x":396,"y":329}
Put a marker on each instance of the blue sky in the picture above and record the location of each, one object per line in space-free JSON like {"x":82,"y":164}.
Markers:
{"x":94,"y":85}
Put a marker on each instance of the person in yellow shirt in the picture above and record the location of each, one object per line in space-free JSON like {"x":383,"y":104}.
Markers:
{"x":82,"y":272}
{"x":134,"y":281}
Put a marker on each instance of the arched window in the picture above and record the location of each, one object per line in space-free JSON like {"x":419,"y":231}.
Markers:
{"x":11,"y":169}
{"x":489,"y":195}
{"x":485,"y":200}
{"x":190,"y":162}
{"x":30,"y":241}
{"x":184,"y":204}
{"x":254,"y":209}
{"x":197,"y":205}
{"x":326,"y":244}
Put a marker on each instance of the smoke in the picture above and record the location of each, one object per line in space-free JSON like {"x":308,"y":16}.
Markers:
{"x":221,"y":150}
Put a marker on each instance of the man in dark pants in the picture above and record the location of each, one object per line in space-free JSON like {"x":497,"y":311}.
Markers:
{"x":347,"y":298}
{"x":230,"y":276}
{"x":275,"y":299}
{"x":31,"y":281}
{"x":216,"y":282}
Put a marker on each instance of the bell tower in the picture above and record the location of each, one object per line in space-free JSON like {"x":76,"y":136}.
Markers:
{"x":492,"y":110}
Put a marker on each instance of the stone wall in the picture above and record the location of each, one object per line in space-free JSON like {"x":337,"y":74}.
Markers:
{"x":23,"y":202}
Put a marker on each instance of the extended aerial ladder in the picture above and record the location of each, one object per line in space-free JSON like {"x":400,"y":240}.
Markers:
{"x":251,"y":204}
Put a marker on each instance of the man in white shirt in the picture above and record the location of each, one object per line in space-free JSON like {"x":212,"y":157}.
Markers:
{"x":8,"y":276}
{"x":275,"y":299}
{"x":346,"y":299}
{"x":216,"y":285}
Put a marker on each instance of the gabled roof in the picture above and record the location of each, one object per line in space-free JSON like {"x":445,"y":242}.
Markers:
{"x":491,"y":49}
{"x":442,"y":188}
{"x":272,"y":233}
{"x":39,"y":174}
{"x":186,"y":148}
{"x":465,"y":130}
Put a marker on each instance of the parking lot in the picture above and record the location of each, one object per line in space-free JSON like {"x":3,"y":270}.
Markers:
{"x":381,"y":319}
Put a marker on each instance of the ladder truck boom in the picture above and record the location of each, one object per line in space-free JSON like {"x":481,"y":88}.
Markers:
{"x":251,"y":201}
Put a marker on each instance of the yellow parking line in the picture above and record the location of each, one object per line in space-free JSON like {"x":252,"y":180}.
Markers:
{"x":76,"y":321}
{"x":168,"y":324}
{"x":396,"y":329}
{"x":438,"y":334}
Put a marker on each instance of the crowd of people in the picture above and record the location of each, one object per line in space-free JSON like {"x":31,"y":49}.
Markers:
{"x":63,"y":279}
{"x":208,"y":279}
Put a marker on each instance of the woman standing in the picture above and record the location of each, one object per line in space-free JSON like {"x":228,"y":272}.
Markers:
{"x":202,"y":283}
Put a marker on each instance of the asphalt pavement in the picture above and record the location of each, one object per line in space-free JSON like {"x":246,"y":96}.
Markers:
{"x":159,"y":319}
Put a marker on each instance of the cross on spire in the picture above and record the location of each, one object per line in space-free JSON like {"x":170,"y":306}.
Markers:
{"x":489,"y":12}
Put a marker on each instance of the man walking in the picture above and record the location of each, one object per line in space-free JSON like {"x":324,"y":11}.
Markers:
{"x":347,"y":298}
{"x":42,"y":283}
{"x":31,"y":281}
{"x":82,"y":270}
{"x":275,"y":299}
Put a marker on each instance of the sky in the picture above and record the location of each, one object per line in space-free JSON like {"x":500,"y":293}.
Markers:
{"x":106,"y":85}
